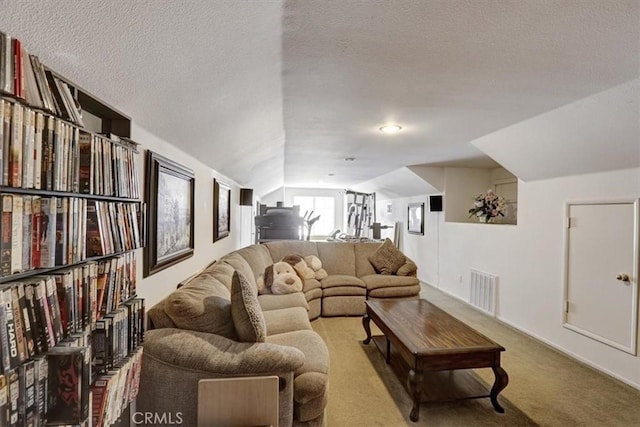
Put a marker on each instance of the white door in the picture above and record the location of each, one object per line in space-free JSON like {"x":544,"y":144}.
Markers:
{"x":247,"y":227}
{"x":601,"y":287}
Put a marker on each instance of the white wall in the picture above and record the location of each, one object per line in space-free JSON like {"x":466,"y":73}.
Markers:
{"x":276,"y":195}
{"x":158,"y":285}
{"x":462,"y":185}
{"x":528,"y":259}
{"x":595,"y":134}
{"x":423,"y":250}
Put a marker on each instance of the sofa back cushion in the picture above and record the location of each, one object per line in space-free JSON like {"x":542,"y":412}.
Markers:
{"x":157,"y":318}
{"x":257,"y":256}
{"x":222,"y":272}
{"x":283,"y":248}
{"x":204,"y":305}
{"x":235,"y":260}
{"x":363,"y":252}
{"x":246,"y":313}
{"x":337,"y":257}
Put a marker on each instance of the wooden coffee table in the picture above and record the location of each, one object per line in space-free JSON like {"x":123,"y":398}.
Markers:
{"x":427,"y":339}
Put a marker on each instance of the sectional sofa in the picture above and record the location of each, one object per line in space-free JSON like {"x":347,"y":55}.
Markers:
{"x":217,"y":326}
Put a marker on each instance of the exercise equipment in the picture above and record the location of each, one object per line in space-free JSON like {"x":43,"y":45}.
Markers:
{"x":361,"y":212}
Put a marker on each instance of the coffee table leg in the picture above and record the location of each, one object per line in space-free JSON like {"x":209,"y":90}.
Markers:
{"x":365,"y":323}
{"x":415,"y":387}
{"x":502,"y":379}
{"x":388,"y":357}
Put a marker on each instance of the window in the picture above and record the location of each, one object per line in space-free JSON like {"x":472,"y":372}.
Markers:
{"x":323,"y":206}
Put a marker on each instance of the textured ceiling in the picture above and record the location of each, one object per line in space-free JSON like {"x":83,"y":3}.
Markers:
{"x":448,"y":71}
{"x":272,"y":93}
{"x":203,"y":75}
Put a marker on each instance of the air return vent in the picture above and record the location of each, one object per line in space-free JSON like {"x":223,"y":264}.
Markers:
{"x":483,"y":288}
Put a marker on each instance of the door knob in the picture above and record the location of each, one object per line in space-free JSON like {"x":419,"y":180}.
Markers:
{"x":622,"y":277}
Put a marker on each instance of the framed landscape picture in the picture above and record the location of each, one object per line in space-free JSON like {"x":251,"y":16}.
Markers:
{"x":169,"y":193}
{"x":221,"y":210}
{"x":415,"y":220}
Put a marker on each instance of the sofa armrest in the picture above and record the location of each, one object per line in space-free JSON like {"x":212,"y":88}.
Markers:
{"x":409,"y":268}
{"x":215,"y":354}
{"x":175,"y":360}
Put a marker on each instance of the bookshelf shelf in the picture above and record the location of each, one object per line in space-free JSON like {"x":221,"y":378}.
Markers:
{"x":45,"y":271}
{"x":34,"y":192}
{"x":71,"y":220}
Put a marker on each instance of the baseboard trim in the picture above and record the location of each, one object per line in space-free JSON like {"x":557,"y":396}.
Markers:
{"x":543,"y":340}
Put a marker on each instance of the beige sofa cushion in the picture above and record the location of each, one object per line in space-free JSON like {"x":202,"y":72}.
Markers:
{"x":375,"y":281}
{"x":258,"y":258}
{"x":395,"y":292}
{"x":363,"y":251}
{"x":276,"y":302}
{"x":286,"y":320}
{"x":202,"y":305}
{"x":341,"y":280}
{"x":310,"y":284}
{"x":193,"y":276}
{"x":313,"y":294}
{"x":337,"y":257}
{"x":241,"y":265}
{"x":311,"y":379}
{"x":387,"y":259}
{"x":337,"y":291}
{"x":310,"y":413}
{"x":283,"y":248}
{"x":222,"y":272}
{"x":311,"y":344}
{"x":218,"y":356}
{"x":246,"y":313}
{"x":157,"y":318}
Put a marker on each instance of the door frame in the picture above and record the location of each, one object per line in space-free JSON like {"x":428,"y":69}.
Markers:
{"x":632,"y":348}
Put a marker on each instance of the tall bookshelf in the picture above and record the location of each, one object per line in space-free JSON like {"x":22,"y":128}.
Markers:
{"x":71,"y":220}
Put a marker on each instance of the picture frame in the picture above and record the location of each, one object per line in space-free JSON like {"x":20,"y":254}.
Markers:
{"x":170,"y":201}
{"x":221,"y":210}
{"x":415,"y":218}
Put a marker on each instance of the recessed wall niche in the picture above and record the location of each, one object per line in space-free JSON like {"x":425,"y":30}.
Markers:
{"x":462,"y":185}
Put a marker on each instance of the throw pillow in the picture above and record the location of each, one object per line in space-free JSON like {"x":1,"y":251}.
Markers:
{"x":387,"y":259}
{"x":246,"y":313}
{"x":202,"y":305}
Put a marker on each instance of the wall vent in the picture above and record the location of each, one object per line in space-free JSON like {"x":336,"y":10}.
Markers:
{"x":483,"y":291}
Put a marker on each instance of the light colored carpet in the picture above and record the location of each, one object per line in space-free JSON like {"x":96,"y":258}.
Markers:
{"x":545,"y":387}
{"x":364,"y":391}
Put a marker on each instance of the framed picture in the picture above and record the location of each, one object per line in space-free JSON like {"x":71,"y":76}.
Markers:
{"x":221,"y":210}
{"x":415,"y":220}
{"x":169,"y":196}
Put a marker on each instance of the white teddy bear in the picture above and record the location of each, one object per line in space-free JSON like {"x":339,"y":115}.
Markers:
{"x":316,"y":265}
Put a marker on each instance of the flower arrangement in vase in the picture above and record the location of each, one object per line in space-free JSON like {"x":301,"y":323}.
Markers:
{"x":487,"y":207}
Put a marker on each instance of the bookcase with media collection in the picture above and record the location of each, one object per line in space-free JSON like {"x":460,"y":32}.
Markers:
{"x":71,"y":325}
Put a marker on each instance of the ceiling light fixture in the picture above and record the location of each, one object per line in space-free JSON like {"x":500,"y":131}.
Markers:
{"x":349,"y":159}
{"x":391,"y":129}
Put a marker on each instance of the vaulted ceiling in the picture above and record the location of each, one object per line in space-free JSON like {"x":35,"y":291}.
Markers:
{"x":274,"y":93}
